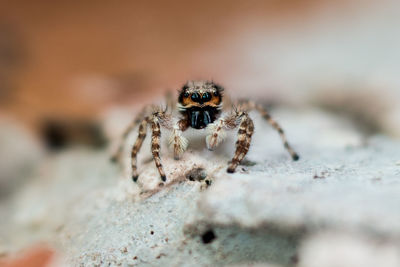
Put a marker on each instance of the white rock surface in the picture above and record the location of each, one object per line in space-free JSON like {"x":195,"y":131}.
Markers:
{"x":269,"y":212}
{"x":331,"y":249}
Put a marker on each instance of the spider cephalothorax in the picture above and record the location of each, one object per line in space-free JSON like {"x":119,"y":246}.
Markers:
{"x":200,"y":102}
{"x":200,"y":106}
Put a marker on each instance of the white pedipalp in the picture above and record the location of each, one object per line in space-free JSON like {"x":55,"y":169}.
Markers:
{"x":180,"y":107}
{"x":215,"y":133}
{"x":177,"y":142}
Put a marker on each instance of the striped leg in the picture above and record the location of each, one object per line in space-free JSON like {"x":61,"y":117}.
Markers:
{"x":155,"y":120}
{"x":138,"y":119}
{"x":249,"y":105}
{"x":246,"y":129}
{"x":277,"y":127}
{"x":217,"y":130}
{"x":136,"y":147}
{"x":155,"y":146}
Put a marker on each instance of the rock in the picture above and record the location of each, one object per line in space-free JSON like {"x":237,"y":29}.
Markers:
{"x":332,"y":249}
{"x":269,"y":212}
{"x":359,"y":183}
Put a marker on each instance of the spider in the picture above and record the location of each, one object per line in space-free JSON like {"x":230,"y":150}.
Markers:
{"x":200,"y":104}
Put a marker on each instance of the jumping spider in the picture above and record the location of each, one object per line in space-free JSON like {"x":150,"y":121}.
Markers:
{"x":200,"y":106}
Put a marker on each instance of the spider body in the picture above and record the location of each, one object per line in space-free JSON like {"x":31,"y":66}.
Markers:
{"x":200,"y":106}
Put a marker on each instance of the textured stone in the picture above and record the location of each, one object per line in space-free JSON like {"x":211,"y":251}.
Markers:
{"x":265,"y":213}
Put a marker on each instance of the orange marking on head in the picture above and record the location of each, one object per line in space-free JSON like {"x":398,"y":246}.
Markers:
{"x":214,"y":101}
{"x":187,"y":101}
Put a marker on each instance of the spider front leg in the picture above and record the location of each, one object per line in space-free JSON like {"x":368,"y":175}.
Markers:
{"x":217,"y":134}
{"x":216,"y":130}
{"x":246,"y":130}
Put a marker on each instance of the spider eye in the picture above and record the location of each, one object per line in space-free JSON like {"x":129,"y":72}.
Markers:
{"x":216,"y":93}
{"x":206,"y":97}
{"x":195,"y":97}
{"x":186,"y":94}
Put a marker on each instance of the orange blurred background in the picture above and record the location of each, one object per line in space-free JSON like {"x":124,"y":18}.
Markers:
{"x":75,"y":58}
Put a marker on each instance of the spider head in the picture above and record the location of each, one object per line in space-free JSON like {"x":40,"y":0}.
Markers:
{"x":201,"y":102}
{"x":200,"y":94}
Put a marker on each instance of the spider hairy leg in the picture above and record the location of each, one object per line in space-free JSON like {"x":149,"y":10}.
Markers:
{"x":264,"y":113}
{"x":217,"y":130}
{"x":245,"y":132}
{"x":250,"y":105}
{"x":136,"y":147}
{"x":155,"y":147}
{"x":157,"y":119}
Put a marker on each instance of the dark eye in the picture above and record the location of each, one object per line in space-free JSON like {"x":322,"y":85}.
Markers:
{"x":186,"y":94}
{"x":206,"y":97}
{"x":216,"y":93}
{"x":195,"y":96}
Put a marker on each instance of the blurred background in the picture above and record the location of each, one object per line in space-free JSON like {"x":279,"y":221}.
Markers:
{"x":64,"y":64}
{"x":74,"y":59}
